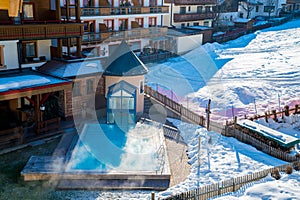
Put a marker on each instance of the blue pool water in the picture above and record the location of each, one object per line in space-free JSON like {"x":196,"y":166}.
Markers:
{"x":100,"y":147}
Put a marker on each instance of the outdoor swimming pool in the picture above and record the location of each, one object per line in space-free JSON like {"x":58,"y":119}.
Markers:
{"x":105,"y":148}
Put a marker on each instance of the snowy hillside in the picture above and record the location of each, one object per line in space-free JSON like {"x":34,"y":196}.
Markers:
{"x":258,"y":67}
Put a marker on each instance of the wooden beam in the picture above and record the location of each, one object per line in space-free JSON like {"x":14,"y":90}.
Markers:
{"x":34,"y":91}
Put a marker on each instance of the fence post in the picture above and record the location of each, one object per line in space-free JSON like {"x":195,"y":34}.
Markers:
{"x":286,"y":110}
{"x":275,"y":115}
{"x":266,"y":117}
{"x":152,"y":196}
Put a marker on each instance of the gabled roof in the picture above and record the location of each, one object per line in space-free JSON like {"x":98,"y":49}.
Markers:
{"x":123,"y":62}
{"x":70,"y":69}
{"x":122,"y":85}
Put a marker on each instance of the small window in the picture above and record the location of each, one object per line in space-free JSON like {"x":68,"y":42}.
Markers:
{"x":256,"y":8}
{"x":199,"y":9}
{"x":89,"y":86}
{"x":140,"y":21}
{"x":141,"y":87}
{"x":152,"y":21}
{"x":29,"y":50}
{"x":188,"y":24}
{"x":182,"y":10}
{"x":189,"y":8}
{"x":207,"y":9}
{"x":28,"y":11}
{"x":182,"y":25}
{"x":206,"y":23}
{"x":196,"y":23}
{"x":76,"y":88}
{"x":1,"y":56}
{"x":72,"y":2}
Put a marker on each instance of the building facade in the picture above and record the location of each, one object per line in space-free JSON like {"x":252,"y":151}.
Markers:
{"x":184,"y":13}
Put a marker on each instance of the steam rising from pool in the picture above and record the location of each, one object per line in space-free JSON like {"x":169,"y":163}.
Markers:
{"x":106,"y":148}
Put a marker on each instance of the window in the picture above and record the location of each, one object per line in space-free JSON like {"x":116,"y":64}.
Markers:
{"x":76,"y":88}
{"x":188,"y":24}
{"x":152,"y":21}
{"x":72,"y":2}
{"x":196,"y":23}
{"x":89,"y":86}
{"x":182,"y":25}
{"x":89,"y":26}
{"x":28,"y":11}
{"x":189,"y":8}
{"x":140,"y":21}
{"x":206,"y":23}
{"x":199,"y":9}
{"x":207,"y":8}
{"x":123,"y":24}
{"x":182,"y":10}
{"x":256,"y":8}
{"x":141,"y":87}
{"x":109,"y":24}
{"x":1,"y":55}
{"x":29,"y":50}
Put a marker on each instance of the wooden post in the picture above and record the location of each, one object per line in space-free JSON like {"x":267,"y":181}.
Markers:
{"x":275,"y":115}
{"x":235,"y":121}
{"x":152,"y":196}
{"x":208,"y":114}
{"x":266,"y":117}
{"x":296,"y":108}
{"x":286,"y":110}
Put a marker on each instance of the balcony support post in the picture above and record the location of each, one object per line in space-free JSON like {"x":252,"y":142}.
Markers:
{"x":19,"y":47}
{"x":58,"y":10}
{"x":78,"y":46}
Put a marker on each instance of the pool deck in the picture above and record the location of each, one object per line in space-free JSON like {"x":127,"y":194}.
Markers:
{"x":42,"y":168}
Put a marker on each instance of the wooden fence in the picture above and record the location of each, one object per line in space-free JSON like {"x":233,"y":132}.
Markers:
{"x":245,"y":138}
{"x":11,"y":137}
{"x":231,"y":185}
{"x":175,"y":107}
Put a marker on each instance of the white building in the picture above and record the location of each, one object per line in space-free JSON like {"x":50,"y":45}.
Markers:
{"x":268,"y":8}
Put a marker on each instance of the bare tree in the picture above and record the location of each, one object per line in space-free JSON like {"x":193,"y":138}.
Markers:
{"x":248,"y":7}
{"x":270,"y":7}
{"x":222,"y":7}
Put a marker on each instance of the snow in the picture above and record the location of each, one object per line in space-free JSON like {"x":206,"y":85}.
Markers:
{"x":285,"y":188}
{"x":241,"y":77}
{"x":221,"y":158}
{"x":17,"y":82}
{"x":248,"y":75}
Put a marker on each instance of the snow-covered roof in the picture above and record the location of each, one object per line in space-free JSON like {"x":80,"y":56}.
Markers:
{"x":69,"y":69}
{"x":241,"y":20}
{"x":26,"y":79}
{"x":283,"y":139}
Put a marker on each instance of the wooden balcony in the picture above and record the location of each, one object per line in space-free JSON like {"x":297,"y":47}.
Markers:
{"x":113,"y":36}
{"x":193,"y":17}
{"x":36,"y":31}
{"x":106,"y":11}
{"x":191,"y":2}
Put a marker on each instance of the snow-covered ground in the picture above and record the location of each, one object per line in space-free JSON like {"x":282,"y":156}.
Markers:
{"x":249,"y":75}
{"x":221,"y":158}
{"x":259,"y":67}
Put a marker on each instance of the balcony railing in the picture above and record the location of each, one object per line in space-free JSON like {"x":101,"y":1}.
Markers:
{"x":193,"y":16}
{"x":106,"y":11}
{"x":34,"y":31}
{"x":121,"y":35}
{"x":191,"y":2}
